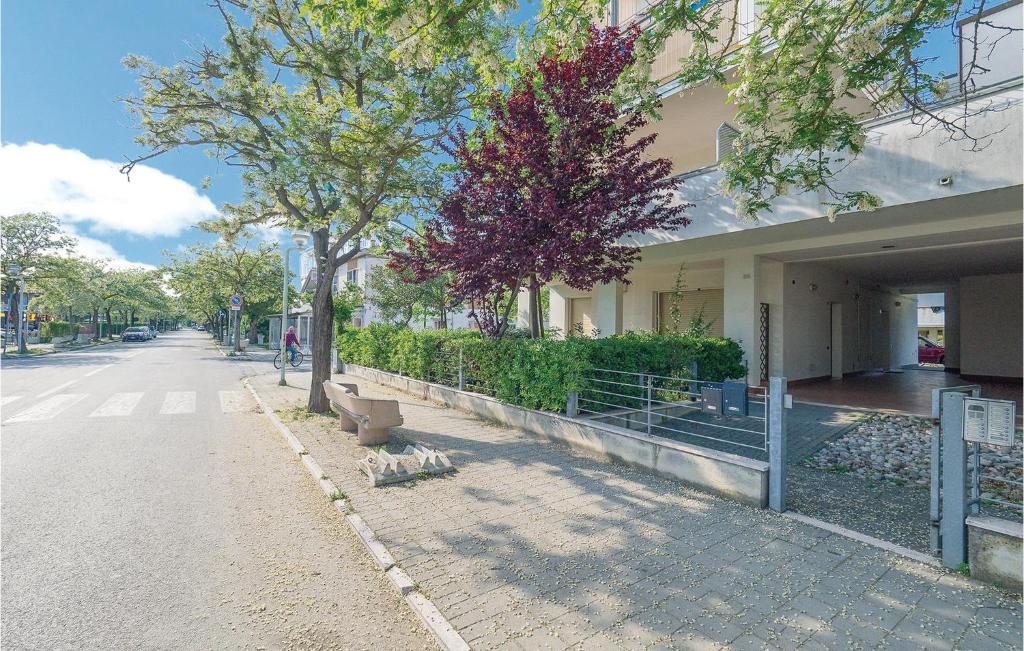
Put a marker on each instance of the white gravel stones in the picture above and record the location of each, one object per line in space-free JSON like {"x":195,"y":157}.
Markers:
{"x":898,"y":449}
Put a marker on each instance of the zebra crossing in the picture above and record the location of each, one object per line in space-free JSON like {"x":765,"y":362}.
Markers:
{"x":122,"y":405}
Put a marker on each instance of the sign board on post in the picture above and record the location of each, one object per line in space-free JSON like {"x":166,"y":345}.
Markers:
{"x":235,"y":301}
{"x":989,"y":421}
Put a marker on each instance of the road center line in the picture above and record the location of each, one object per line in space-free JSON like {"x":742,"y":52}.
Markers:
{"x":97,"y":370}
{"x":56,"y":389}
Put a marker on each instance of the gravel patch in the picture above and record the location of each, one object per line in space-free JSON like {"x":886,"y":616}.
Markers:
{"x":875,"y":479}
{"x":897,"y":449}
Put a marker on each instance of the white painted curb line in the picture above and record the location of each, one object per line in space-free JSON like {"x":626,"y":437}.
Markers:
{"x":893,"y":548}
{"x":445,"y":634}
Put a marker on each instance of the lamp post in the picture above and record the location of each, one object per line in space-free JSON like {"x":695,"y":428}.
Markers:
{"x":300,"y":240}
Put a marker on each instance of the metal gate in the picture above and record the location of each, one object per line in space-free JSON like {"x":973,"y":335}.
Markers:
{"x":956,"y":469}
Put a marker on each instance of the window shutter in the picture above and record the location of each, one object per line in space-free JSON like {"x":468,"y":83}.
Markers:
{"x":725,"y":138}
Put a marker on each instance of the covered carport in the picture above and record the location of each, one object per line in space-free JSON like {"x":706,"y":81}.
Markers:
{"x":864,"y":297}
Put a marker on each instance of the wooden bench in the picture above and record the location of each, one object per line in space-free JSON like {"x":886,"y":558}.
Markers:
{"x":370,"y":418}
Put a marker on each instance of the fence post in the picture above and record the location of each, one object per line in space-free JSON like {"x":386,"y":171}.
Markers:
{"x":572,"y":405}
{"x":954,"y":481}
{"x":650,"y":384}
{"x":777,"y":444}
{"x":935,"y":484}
{"x":462,"y":373}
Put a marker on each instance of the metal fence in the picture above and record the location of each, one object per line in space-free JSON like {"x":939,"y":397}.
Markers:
{"x":674,"y":408}
{"x":1003,"y":494}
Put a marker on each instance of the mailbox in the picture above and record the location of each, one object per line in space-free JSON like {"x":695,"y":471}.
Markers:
{"x":734,"y":398}
{"x":711,"y":398}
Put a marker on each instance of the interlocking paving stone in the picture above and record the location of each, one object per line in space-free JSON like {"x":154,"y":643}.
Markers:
{"x":557,"y":549}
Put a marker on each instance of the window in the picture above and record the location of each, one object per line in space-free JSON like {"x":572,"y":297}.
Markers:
{"x":353,"y":276}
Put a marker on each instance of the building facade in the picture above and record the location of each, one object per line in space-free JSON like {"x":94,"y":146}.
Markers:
{"x":809,"y":298}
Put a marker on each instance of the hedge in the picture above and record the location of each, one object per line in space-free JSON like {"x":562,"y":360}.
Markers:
{"x":59,"y":329}
{"x":534,"y":373}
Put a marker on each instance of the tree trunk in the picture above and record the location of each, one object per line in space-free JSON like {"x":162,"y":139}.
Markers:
{"x":236,"y":337}
{"x":252,"y":331}
{"x":132,"y":317}
{"x":95,"y":324}
{"x":534,"y":310}
{"x":110,"y":333}
{"x":444,"y":318}
{"x":12,"y":319}
{"x":323,"y":324}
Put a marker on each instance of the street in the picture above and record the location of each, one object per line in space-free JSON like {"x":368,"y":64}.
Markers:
{"x":147,"y":504}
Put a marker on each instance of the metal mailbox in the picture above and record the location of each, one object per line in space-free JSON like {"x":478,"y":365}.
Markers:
{"x":734,"y":398}
{"x":711,"y":398}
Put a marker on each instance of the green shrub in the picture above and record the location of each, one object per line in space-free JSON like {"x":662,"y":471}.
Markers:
{"x":59,"y":329}
{"x":538,"y":373}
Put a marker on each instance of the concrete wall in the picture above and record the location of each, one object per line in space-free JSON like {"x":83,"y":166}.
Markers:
{"x":728,"y":475}
{"x":991,"y":325}
{"x":899,"y":164}
{"x":879,"y":327}
{"x":998,"y":51}
{"x":994,"y":551}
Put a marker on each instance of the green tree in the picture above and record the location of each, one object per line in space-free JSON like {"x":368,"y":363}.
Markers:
{"x":33,"y":242}
{"x":204,"y":277}
{"x":399,"y":298}
{"x":332,"y":134}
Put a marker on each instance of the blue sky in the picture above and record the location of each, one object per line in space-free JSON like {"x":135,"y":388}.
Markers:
{"x":61,"y":76}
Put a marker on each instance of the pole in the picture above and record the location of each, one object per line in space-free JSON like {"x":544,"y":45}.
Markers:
{"x":21,"y":310}
{"x":776,"y":399}
{"x":284,"y":316}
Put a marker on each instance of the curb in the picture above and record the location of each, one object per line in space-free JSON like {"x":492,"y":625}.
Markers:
{"x":444,"y":633}
{"x":884,"y":545}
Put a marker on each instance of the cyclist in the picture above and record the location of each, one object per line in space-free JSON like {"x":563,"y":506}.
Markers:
{"x":291,"y":343}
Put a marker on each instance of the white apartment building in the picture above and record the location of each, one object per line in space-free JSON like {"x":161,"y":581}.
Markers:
{"x":807,"y":298}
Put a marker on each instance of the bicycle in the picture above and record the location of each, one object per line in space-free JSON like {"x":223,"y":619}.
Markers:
{"x":294,"y":362}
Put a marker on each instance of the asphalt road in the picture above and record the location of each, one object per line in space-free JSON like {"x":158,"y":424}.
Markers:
{"x":145,"y":503}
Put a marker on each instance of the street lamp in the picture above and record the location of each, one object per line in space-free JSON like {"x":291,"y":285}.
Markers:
{"x":300,"y":240}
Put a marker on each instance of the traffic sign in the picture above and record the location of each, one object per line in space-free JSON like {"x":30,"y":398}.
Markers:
{"x":236,"y":301}
{"x":236,"y":308}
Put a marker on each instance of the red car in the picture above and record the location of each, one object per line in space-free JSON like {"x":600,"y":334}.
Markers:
{"x":929,"y":352}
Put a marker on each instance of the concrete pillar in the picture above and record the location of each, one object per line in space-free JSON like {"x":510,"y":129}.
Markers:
{"x":742,"y":309}
{"x":608,"y":309}
{"x":523,"y":309}
{"x":952,"y":327}
{"x":559,"y":308}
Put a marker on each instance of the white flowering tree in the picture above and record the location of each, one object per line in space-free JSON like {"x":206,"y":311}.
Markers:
{"x":792,"y":73}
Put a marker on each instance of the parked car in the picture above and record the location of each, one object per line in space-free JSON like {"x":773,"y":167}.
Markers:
{"x":139,"y":333}
{"x":929,"y":352}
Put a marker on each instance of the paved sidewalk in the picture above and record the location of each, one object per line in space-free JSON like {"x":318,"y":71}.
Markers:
{"x":532,"y":545}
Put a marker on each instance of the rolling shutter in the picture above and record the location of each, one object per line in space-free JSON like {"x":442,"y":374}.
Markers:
{"x":690,"y":303}
{"x":580,"y":313}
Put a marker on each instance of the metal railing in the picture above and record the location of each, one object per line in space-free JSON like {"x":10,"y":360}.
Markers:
{"x":983,"y":483}
{"x":672,"y":407}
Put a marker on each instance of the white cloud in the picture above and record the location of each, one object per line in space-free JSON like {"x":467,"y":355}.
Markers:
{"x":93,"y":193}
{"x":98,"y":250}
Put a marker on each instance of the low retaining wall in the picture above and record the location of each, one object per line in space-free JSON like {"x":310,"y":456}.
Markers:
{"x":994,"y":551}
{"x":728,"y":475}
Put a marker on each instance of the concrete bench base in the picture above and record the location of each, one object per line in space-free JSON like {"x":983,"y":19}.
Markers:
{"x":729,"y":475}
{"x":994,"y":551}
